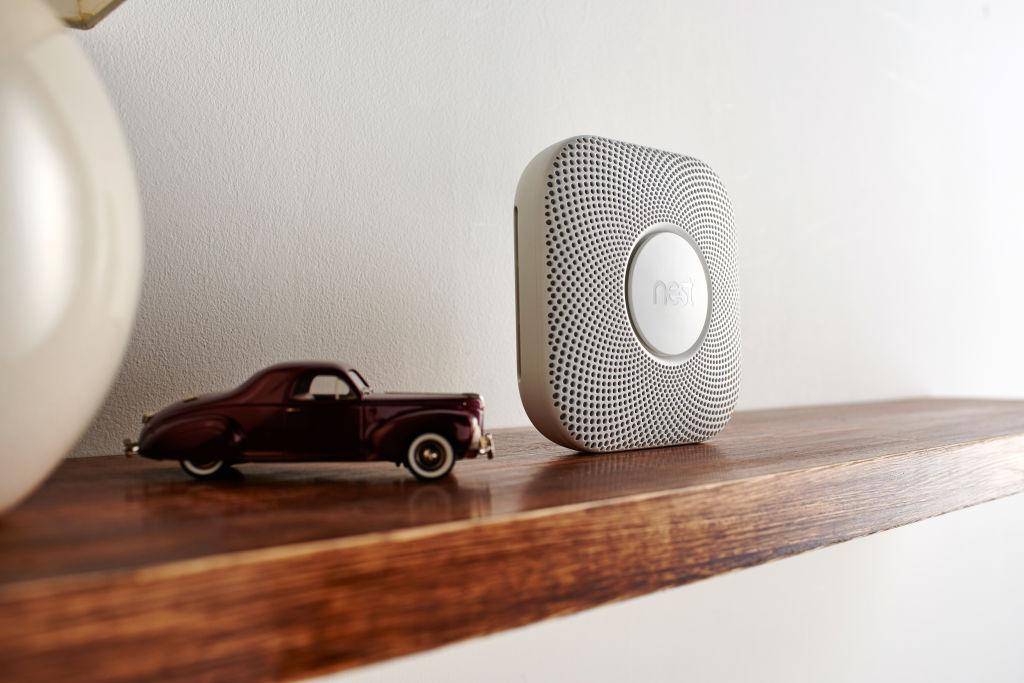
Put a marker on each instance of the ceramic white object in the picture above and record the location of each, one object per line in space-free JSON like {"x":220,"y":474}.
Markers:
{"x":70,"y":245}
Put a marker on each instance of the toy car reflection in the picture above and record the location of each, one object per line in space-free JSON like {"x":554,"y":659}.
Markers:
{"x":315,"y":412}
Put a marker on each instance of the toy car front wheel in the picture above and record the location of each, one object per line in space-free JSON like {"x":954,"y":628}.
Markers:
{"x":430,"y":456}
{"x":206,"y":470}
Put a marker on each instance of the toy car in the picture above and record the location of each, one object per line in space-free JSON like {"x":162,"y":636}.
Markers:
{"x":315,"y":412}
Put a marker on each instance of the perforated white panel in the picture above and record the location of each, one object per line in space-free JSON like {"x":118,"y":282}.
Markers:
{"x":610,"y":392}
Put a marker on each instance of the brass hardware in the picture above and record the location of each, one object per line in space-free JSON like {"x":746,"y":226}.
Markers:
{"x":83,"y":14}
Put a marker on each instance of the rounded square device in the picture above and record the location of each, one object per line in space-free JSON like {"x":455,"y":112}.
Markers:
{"x":628,"y":312}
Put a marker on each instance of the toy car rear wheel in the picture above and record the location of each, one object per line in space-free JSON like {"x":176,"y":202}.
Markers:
{"x":430,"y":456}
{"x":210,"y":469}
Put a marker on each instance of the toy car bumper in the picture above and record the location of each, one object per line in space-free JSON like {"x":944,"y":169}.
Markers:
{"x":486,"y":446}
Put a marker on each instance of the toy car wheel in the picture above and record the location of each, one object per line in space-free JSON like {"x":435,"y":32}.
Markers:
{"x":430,"y":456}
{"x":207,"y":470}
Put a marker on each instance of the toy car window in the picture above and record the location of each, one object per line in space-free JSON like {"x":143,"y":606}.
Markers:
{"x":323,"y":388}
{"x":360,"y":382}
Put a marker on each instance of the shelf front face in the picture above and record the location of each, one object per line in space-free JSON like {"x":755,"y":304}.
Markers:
{"x":299,"y":569}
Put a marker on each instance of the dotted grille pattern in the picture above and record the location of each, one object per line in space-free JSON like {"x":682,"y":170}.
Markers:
{"x":611,"y":393}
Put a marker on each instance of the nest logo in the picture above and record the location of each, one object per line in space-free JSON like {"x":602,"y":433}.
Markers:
{"x":674,"y":293}
{"x":667,"y":293}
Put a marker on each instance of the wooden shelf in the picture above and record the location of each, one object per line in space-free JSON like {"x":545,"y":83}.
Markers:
{"x":121,"y":569}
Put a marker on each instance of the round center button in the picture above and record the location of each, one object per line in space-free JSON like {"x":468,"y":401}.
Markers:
{"x":667,"y":293}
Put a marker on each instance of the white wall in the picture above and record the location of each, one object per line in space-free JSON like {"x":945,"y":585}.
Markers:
{"x":335,"y":180}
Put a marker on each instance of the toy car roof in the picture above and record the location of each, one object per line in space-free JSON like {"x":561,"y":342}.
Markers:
{"x":302,"y":366}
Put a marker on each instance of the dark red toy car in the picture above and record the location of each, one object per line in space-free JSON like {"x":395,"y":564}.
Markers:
{"x":315,"y":412}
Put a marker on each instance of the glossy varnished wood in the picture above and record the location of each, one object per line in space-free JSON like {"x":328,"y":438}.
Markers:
{"x":123,"y":569}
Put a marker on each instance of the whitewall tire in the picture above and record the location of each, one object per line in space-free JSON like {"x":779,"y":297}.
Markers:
{"x":208,"y":470}
{"x":430,"y":456}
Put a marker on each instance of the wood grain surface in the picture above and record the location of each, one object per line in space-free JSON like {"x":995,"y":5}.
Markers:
{"x":124,"y":569}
